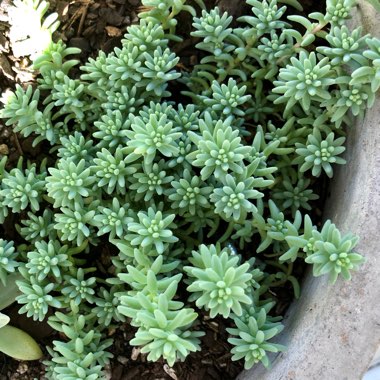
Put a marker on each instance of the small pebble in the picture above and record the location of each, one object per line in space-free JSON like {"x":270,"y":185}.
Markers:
{"x":22,"y":368}
{"x":4,"y":150}
{"x":112,"y":31}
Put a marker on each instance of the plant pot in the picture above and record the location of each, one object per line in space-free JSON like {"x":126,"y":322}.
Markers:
{"x":333,"y":331}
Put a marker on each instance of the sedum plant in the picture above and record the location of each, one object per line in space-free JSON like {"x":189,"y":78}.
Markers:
{"x":254,"y":328}
{"x":217,"y":281}
{"x":164,"y":187}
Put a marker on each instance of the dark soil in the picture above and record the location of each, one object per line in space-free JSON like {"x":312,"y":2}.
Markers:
{"x":212,"y":363}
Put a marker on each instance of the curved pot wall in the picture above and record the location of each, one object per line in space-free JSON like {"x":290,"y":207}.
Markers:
{"x":332,"y":332}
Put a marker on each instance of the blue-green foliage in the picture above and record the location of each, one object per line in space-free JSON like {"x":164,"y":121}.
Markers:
{"x":8,"y":262}
{"x":254,"y":328}
{"x":22,"y":188}
{"x":143,"y":194}
{"x":163,"y":324}
{"x":82,"y":355}
{"x":327,"y":250}
{"x":36,"y":298}
{"x":217,"y":281}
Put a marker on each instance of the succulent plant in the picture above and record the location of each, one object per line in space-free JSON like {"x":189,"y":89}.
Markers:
{"x":159,"y":168}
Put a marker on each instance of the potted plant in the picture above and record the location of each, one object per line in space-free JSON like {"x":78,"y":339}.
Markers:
{"x":163,"y":203}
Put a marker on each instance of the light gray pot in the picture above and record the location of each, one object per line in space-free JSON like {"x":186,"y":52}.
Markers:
{"x":332,"y":332}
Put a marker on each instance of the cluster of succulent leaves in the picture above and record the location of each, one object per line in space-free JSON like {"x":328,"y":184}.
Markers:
{"x":143,"y":192}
